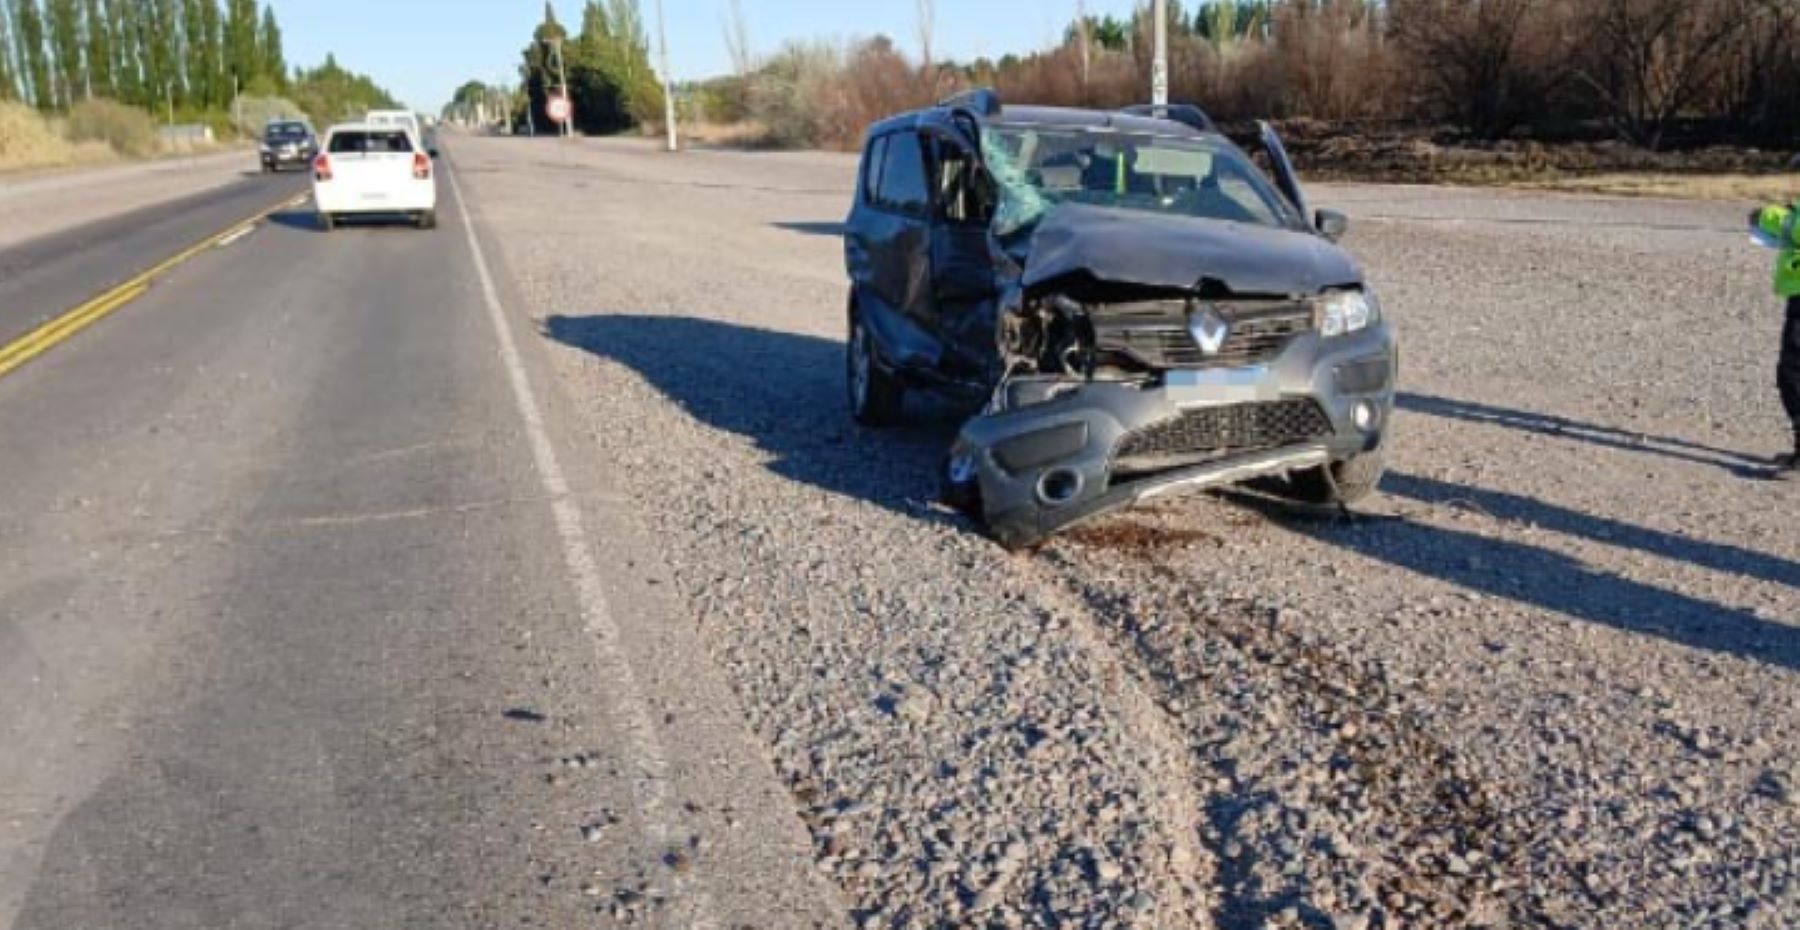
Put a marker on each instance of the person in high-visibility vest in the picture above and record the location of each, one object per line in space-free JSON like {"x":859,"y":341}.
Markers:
{"x":1779,"y":228}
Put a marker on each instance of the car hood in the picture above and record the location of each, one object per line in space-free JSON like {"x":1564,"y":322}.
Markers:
{"x":1156,"y":250}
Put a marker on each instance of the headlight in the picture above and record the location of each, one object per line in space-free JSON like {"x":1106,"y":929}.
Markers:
{"x":1347,"y":312}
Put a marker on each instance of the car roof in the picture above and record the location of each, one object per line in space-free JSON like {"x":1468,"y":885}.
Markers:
{"x":1063,"y":117}
{"x":364,"y":126}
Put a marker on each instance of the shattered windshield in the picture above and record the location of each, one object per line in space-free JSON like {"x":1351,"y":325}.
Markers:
{"x":1039,"y":168}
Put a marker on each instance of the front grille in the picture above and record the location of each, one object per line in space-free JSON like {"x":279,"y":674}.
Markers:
{"x":1156,"y":335}
{"x":1217,"y":431}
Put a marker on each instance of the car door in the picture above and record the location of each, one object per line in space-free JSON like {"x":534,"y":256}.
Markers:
{"x":1286,"y":179}
{"x":963,"y":287}
{"x":888,"y":249}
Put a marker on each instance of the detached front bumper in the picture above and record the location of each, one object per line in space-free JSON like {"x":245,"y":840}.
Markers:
{"x":1097,"y":447}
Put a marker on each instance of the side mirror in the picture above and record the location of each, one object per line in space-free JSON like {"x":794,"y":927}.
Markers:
{"x":1331,"y":224}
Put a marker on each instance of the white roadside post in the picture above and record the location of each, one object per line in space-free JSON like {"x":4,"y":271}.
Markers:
{"x":662,"y":40}
{"x":1159,"y":70}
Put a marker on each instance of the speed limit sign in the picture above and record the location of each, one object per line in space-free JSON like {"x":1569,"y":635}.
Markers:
{"x":558,"y":109}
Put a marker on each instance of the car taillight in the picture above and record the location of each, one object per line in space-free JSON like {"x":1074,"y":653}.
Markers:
{"x":421,"y":166}
{"x":322,"y":168}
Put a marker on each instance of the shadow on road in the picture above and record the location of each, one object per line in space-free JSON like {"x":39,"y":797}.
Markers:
{"x":784,"y":392}
{"x":1554,"y":581}
{"x":833,"y":230}
{"x":1608,"y":437}
{"x":1718,"y":557}
{"x":308,"y":221}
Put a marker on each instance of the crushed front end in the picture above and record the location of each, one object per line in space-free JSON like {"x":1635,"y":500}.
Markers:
{"x":1114,"y":393}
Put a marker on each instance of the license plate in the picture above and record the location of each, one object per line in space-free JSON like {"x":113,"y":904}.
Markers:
{"x":1219,"y":385}
{"x":374,"y":197}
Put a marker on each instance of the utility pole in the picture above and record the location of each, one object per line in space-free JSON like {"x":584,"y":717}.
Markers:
{"x":562,"y":77}
{"x":1159,"y":69}
{"x":662,"y":39}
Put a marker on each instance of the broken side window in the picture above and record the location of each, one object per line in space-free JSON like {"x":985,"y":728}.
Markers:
{"x":902,"y":186}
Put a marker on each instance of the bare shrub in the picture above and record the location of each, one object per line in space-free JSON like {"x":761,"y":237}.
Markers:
{"x":127,"y":130}
{"x":27,"y":140}
{"x":1489,"y":65}
{"x":784,"y":94}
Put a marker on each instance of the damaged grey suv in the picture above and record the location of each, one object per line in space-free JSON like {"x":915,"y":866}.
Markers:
{"x":1136,"y":307}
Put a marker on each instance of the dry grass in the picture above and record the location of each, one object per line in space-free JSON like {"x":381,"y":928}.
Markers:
{"x":28,"y":141}
{"x":744,"y":135}
{"x":1752,"y":187}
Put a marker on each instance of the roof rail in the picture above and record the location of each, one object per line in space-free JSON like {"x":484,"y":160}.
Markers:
{"x":1184,"y":113}
{"x":984,"y":101}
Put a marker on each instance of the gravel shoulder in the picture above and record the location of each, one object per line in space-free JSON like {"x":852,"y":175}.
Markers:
{"x":1546,"y":679}
{"x":41,"y":204}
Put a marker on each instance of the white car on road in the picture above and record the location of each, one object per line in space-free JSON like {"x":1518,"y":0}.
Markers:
{"x":365,"y":169}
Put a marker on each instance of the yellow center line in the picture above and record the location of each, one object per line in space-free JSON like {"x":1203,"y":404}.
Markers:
{"x":77,"y":318}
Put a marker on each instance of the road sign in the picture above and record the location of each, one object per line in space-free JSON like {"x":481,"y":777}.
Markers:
{"x":558,"y":109}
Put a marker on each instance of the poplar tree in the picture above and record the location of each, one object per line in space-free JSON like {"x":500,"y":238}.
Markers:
{"x":34,"y":65}
{"x":9,"y":81}
{"x":213,"y":44}
{"x":127,"y":80}
{"x":240,"y":42}
{"x":270,"y":56}
{"x":65,"y":44}
{"x":193,"y":54}
{"x":99,"y":47}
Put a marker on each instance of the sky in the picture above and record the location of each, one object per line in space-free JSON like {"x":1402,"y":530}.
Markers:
{"x":422,"y":50}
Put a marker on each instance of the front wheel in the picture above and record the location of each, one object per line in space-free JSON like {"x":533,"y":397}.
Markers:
{"x":1339,"y":483}
{"x":875,"y":395}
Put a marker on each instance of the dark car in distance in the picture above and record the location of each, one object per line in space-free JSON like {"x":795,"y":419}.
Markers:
{"x":1136,"y":307}
{"x":288,"y":144}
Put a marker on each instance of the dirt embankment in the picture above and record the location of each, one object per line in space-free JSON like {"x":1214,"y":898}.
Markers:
{"x":1391,"y":154}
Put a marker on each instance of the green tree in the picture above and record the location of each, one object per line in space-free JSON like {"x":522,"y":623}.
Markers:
{"x":122,"y":27}
{"x":99,"y":47}
{"x":611,"y":83}
{"x":159,"y":45}
{"x":65,"y":44}
{"x":212,"y":24}
{"x":9,"y":81}
{"x":34,"y":64}
{"x":330,"y":93}
{"x":270,"y":56}
{"x":241,"y":59}
{"x":195,"y":66}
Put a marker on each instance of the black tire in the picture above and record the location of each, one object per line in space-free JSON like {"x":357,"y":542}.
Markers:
{"x":1339,"y":483}
{"x":875,"y":396}
{"x":428,"y":219}
{"x":327,"y":222}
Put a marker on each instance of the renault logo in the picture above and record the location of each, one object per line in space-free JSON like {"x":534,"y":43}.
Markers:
{"x":1210,"y":330}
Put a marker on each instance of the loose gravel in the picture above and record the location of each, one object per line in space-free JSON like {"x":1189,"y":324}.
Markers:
{"x":1547,"y":679}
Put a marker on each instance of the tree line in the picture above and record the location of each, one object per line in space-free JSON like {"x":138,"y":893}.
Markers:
{"x":1655,"y":73}
{"x":192,"y":54}
{"x":611,"y":84}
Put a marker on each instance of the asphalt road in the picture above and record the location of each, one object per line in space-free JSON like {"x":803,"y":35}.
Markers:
{"x":308,"y":618}
{"x":42,"y":277}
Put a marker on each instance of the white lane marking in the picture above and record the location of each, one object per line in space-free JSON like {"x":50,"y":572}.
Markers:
{"x":693,"y":908}
{"x":234,"y":237}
